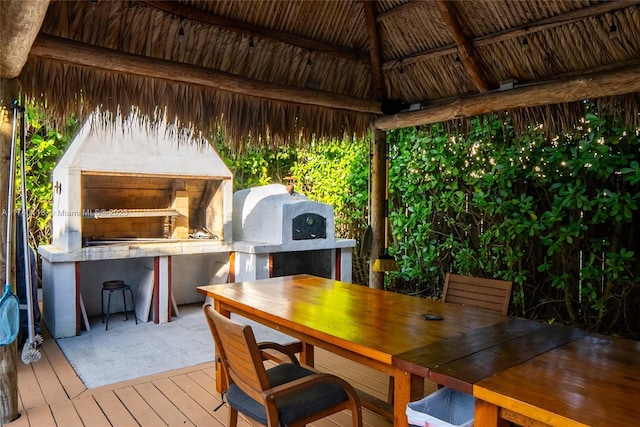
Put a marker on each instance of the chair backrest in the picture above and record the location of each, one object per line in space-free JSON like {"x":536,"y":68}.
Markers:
{"x":490,"y":294}
{"x":238,"y":350}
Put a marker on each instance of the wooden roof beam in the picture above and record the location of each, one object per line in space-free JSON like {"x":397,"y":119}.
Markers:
{"x":519,"y":31}
{"x":100,"y":58}
{"x":192,"y":14}
{"x":20,"y":22}
{"x":590,"y":85}
{"x":374,"y":48}
{"x":466,"y":50}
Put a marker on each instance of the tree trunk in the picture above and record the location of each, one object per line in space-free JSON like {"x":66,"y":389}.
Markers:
{"x":8,"y":353}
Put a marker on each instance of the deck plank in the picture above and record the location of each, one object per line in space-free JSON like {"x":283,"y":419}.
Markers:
{"x":67,"y":376}
{"x":90,"y":412}
{"x":194,"y":412}
{"x":52,"y":395}
{"x":162,"y":405}
{"x":199,"y":395}
{"x":50,"y":385}
{"x":139,"y":408}
{"x":29,"y":390}
{"x":116,"y":411}
{"x":40,"y":417}
{"x":65,"y":414}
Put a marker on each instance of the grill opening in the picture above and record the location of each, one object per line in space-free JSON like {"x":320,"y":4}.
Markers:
{"x":149,"y":207}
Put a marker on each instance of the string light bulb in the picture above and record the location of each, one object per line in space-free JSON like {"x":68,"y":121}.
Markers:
{"x":613,"y":31}
{"x":525,"y":43}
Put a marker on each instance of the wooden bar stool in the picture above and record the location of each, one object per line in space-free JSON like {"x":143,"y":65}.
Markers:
{"x":117,"y":285}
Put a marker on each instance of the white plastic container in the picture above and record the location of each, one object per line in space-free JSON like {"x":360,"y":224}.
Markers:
{"x":443,"y":408}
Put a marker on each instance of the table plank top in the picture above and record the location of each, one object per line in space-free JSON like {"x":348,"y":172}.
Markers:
{"x":592,"y":381}
{"x":425,"y":358}
{"x":373,"y":323}
{"x":463,"y":372}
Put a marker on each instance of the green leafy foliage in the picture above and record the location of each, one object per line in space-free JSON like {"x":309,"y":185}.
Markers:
{"x":337,"y":173}
{"x":557,"y":215}
{"x":45,"y":143}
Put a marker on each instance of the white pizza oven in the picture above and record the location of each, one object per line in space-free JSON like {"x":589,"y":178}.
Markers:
{"x":279,"y":232}
{"x":145,"y":205}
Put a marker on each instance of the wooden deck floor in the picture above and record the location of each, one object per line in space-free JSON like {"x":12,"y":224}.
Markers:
{"x":51,"y":394}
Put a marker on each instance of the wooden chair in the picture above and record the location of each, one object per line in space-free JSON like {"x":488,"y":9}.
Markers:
{"x":489,"y":294}
{"x":286,"y":394}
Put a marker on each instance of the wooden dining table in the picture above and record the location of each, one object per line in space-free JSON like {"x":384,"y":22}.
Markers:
{"x":368,"y":326}
{"x":592,"y":381}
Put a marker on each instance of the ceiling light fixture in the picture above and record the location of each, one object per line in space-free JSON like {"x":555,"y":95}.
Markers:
{"x":181,"y":30}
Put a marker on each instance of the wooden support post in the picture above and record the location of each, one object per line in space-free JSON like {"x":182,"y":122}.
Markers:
{"x":8,"y":353}
{"x":378,"y":187}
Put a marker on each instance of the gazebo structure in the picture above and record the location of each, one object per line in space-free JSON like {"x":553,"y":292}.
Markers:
{"x":279,"y":72}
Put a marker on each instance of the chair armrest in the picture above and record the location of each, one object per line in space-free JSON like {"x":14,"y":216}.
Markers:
{"x":288,"y":350}
{"x":305,"y":382}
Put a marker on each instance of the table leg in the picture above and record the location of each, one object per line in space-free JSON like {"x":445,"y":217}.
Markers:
{"x":407,"y":387}
{"x":486,"y":414}
{"x":307,"y":355}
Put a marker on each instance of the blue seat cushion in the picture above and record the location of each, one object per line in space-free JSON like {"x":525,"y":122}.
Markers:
{"x":292,"y":407}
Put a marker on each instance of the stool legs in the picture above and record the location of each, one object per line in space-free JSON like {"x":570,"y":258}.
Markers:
{"x":124,"y":300}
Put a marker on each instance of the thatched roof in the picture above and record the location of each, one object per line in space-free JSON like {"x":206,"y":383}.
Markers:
{"x":280,"y":70}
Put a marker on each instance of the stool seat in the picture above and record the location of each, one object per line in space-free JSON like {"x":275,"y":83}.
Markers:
{"x":113,"y":284}
{"x":117,"y":285}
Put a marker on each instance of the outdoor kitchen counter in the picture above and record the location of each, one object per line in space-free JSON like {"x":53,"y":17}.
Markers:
{"x":134,"y":250}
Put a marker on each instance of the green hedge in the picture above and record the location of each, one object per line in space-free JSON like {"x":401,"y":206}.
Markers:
{"x":557,"y":215}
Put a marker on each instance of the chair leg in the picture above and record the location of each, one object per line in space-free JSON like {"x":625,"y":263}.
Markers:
{"x":233,"y":417}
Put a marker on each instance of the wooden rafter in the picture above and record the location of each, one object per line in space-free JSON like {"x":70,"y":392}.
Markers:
{"x":588,"y":85}
{"x":404,"y":8}
{"x":186,"y":12}
{"x":374,"y":48}
{"x":467,"y":52}
{"x":86,"y":55}
{"x":515,"y":32}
